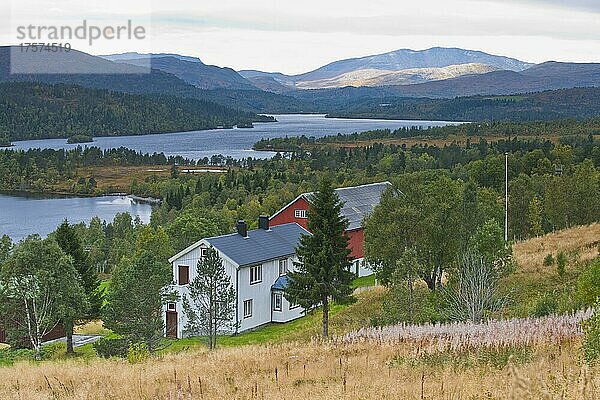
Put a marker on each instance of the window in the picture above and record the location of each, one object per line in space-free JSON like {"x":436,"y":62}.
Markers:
{"x":247,"y":308}
{"x":283,"y":267}
{"x":171,"y":307}
{"x":277,"y":300}
{"x":255,"y":274}
{"x":203,"y":252}
{"x":184,"y":275}
{"x":300,"y":214}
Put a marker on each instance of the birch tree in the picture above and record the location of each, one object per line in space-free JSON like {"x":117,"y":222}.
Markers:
{"x":473,"y":293}
{"x":210,"y":302}
{"x":40,"y":287}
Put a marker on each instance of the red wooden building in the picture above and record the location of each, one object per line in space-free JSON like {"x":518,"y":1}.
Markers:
{"x":359,"y":202}
{"x":57,"y":332}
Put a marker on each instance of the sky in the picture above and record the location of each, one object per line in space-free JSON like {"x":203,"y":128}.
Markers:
{"x":293,"y":36}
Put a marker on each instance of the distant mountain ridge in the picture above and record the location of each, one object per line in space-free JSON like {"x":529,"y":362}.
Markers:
{"x":188,"y":69}
{"x":398,"y":60}
{"x":375,"y":77}
{"x":101,"y":73}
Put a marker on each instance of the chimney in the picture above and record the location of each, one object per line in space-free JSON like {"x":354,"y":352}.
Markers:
{"x":242,"y":228}
{"x":263,"y":222}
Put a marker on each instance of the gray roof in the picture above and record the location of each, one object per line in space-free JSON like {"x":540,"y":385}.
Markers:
{"x":359,"y":201}
{"x":260,"y":245}
{"x":281,"y":283}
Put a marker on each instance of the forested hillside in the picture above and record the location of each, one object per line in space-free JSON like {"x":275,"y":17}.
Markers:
{"x":577,"y":103}
{"x":34,"y":111}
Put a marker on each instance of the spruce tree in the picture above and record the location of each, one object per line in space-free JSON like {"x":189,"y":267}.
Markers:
{"x":210,"y":305}
{"x":69,"y":241}
{"x":323,"y":272}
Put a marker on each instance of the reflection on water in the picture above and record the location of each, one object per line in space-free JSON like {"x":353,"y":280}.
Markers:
{"x":236,"y":143}
{"x":21,"y":216}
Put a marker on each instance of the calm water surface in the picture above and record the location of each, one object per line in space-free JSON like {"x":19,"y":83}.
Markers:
{"x":236,"y":143}
{"x":21,"y":216}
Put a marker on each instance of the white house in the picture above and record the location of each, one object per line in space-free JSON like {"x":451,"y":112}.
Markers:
{"x":257,"y":262}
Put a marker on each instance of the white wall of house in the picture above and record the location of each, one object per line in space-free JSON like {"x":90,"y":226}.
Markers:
{"x":259,"y":293}
{"x":360,"y":267}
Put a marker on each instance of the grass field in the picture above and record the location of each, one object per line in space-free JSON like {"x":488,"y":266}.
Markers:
{"x":289,"y":361}
{"x":315,"y":371}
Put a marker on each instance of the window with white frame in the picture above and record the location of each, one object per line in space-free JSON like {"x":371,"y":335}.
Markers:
{"x":255,"y":274}
{"x":283,"y":266}
{"x":247,"y":308}
{"x":203,"y":252}
{"x":277,"y":301}
{"x":171,"y":307}
{"x":300,"y":214}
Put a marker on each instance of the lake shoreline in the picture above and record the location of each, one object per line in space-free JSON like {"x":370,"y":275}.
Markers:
{"x":218,"y":128}
{"x":34,"y":194}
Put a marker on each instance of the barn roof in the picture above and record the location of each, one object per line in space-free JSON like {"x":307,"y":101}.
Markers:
{"x":260,"y":245}
{"x":359,"y":201}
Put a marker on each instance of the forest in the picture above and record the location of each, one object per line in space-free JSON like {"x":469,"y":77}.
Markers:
{"x":41,"y":111}
{"x":577,"y":103}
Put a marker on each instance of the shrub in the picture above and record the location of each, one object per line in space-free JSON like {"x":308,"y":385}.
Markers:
{"x":549,"y":260}
{"x":137,"y":352}
{"x":397,"y":306}
{"x":112,"y":347}
{"x":591,"y":341}
{"x":561,"y":263}
{"x":546,"y":305}
{"x":588,"y":289}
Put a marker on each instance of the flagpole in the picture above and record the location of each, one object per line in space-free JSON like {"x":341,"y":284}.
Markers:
{"x":506,"y":197}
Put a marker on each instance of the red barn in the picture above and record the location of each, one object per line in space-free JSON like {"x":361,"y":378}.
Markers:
{"x":359,"y":202}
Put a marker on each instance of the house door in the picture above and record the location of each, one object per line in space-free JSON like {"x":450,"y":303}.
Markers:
{"x":171,"y":324}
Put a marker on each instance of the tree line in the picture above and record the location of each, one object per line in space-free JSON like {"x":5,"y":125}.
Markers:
{"x":40,"y":111}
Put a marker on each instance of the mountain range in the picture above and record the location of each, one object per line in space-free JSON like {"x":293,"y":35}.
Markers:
{"x":398,"y":67}
{"x":432,"y":73}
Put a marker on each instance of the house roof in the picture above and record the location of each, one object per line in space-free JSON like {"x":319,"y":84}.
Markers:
{"x":281,"y":283}
{"x":260,"y":245}
{"x":359,"y":201}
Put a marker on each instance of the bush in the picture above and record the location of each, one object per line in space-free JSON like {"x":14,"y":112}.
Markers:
{"x":112,"y":347}
{"x":588,"y":289}
{"x":138,"y":352}
{"x":396,"y":307}
{"x":549,"y":260}
{"x":561,"y":264}
{"x":591,"y":341}
{"x":546,"y":305}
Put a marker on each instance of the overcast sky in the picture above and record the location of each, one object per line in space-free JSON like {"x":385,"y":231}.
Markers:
{"x":296,"y":36}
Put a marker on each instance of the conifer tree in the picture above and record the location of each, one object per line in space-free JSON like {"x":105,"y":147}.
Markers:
{"x":323,"y":272}
{"x":210,"y":305}
{"x":68,"y":239}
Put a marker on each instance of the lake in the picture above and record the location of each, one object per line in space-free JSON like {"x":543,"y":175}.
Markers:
{"x":21,"y":216}
{"x":236,"y":143}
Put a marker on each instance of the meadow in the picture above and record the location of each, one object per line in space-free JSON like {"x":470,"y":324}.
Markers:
{"x":510,"y":358}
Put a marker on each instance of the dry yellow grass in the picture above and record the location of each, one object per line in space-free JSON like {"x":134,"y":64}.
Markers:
{"x":581,"y":243}
{"x":303,"y":371}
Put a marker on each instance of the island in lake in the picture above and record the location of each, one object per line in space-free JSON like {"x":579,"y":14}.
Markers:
{"x":80,"y":139}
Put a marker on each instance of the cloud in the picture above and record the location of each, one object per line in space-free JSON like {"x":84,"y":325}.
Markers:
{"x":585,"y":5}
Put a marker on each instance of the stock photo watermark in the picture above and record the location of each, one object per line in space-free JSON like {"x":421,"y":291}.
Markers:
{"x":46,"y":40}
